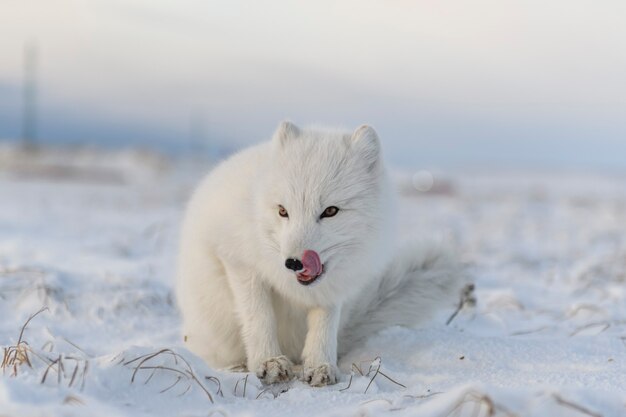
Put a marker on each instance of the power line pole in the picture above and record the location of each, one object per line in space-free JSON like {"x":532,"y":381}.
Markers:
{"x":29,"y":95}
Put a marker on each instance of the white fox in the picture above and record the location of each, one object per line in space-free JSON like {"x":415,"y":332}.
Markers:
{"x":286,"y":257}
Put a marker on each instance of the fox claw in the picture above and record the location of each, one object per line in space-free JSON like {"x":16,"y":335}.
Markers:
{"x":275,"y":370}
{"x":321,"y":375}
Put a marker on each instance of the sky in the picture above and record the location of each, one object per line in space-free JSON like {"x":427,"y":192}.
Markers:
{"x":445,"y":83}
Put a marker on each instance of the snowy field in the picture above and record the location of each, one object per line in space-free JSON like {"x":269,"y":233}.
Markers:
{"x":547,"y":336}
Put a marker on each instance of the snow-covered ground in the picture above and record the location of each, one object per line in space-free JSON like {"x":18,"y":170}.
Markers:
{"x":547,"y":336}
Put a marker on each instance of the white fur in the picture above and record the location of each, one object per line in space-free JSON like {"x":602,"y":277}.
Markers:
{"x":241,"y":305}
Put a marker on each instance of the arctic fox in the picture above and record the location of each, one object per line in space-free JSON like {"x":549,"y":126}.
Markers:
{"x":286,"y":257}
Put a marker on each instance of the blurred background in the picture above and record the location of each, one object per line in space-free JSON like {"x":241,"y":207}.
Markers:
{"x":487,"y":83}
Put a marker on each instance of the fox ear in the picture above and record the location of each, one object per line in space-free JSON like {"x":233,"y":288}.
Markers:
{"x":365,"y":141}
{"x":285,"y":132}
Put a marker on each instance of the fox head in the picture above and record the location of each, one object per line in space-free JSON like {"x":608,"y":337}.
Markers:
{"x":323,"y":202}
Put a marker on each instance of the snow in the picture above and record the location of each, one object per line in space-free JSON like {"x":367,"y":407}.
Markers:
{"x":547,"y":337}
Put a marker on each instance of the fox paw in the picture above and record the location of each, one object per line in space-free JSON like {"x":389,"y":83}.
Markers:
{"x":320,"y":375}
{"x":275,"y":370}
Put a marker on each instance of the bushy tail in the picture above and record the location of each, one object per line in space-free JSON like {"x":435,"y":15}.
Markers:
{"x":421,"y":279}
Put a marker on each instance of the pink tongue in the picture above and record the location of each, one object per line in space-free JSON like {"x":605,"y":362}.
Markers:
{"x":312,"y":264}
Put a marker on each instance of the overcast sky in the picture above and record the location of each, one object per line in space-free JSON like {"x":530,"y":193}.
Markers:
{"x":530,"y":82}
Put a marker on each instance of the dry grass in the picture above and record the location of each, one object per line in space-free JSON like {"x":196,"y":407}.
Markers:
{"x":18,"y":354}
{"x":467,"y":299}
{"x":477,"y":404}
{"x":598,"y":326}
{"x":274,"y":389}
{"x":61,"y":365}
{"x":569,"y":404}
{"x":67,"y":368}
{"x":73,"y":400}
{"x":374,"y":367}
{"x":245,"y":384}
{"x":531,"y":331}
{"x":181,"y":369}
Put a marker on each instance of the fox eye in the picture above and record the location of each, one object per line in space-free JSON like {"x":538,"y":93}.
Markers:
{"x":329,"y":212}
{"x":282,"y":212}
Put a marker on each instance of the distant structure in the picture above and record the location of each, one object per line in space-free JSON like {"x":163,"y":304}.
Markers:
{"x":29,"y":95}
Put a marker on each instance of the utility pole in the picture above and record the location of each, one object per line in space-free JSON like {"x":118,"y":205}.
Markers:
{"x":29,"y":95}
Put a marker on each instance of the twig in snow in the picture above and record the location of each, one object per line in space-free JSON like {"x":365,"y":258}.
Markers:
{"x":66,"y":340}
{"x":357,"y":368}
{"x":184,"y":373}
{"x":377,"y":399}
{"x":467,"y":299}
{"x":217,"y":382}
{"x":263,"y":391}
{"x":185,"y":391}
{"x":245,"y":383}
{"x":480,"y":402}
{"x":391,"y":379}
{"x":349,"y":383}
{"x":377,"y":362}
{"x":275,"y":389}
{"x":373,"y":367}
{"x":58,"y":365}
{"x":561,"y":401}
{"x":16,"y":355}
{"x":424,"y":396}
{"x":603,"y":324}
{"x":59,"y":369}
{"x":85,"y":369}
{"x":178,"y":379}
{"x":354,"y":367}
{"x":48,"y":345}
{"x":73,"y":400}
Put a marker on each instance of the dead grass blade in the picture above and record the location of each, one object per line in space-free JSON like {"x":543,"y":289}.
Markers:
{"x":468,"y":299}
{"x":245,"y":384}
{"x":276,"y":389}
{"x":178,"y":379}
{"x":602,"y":326}
{"x":182,"y":369}
{"x":354,"y":368}
{"x":217,"y":382}
{"x":16,"y":355}
{"x":69,"y":342}
{"x":423,"y":396}
{"x":374,"y":366}
{"x":73,"y":400}
{"x":377,"y":362}
{"x":349,"y":383}
{"x":50,"y":366}
{"x":483,"y":406}
{"x":58,"y":365}
{"x":565,"y":403}
{"x":531,"y":331}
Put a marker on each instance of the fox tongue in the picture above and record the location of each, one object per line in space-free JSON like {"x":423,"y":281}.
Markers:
{"x":312,"y":264}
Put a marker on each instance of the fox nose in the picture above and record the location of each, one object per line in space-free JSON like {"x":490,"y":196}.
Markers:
{"x":294,"y":264}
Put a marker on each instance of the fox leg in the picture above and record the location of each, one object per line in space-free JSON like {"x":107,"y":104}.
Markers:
{"x":320,"y":348}
{"x":253,"y":303}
